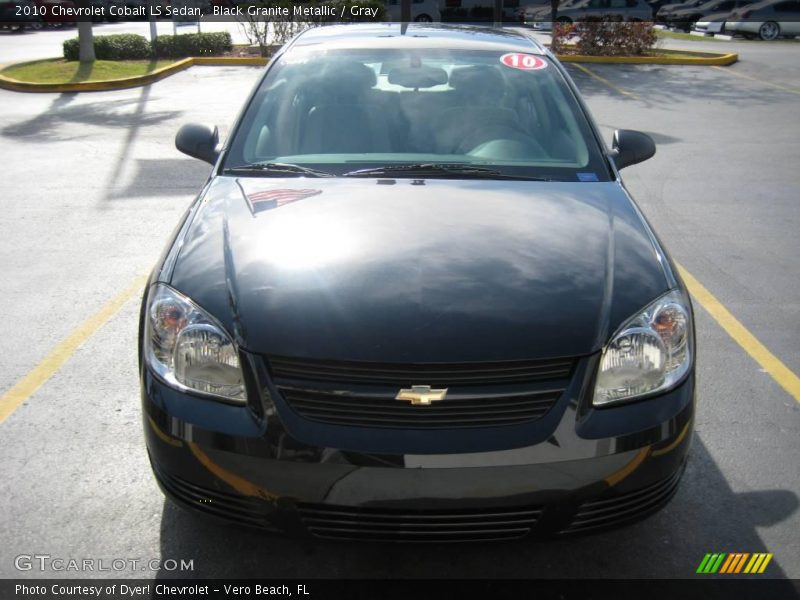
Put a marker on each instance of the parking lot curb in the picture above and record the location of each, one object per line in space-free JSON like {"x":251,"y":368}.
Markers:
{"x":691,"y":58}
{"x":129,"y":82}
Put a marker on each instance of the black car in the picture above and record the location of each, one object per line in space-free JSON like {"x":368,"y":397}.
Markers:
{"x":415,"y":302}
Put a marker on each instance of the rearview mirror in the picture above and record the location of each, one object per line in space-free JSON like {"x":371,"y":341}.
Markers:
{"x":631,"y":147}
{"x":198,"y":141}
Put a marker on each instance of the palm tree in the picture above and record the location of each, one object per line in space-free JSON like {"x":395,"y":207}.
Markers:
{"x":85,"y":36}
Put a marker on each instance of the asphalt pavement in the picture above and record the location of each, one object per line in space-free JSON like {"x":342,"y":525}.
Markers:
{"x":92,"y":187}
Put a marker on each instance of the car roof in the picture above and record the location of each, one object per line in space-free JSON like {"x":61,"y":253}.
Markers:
{"x":415,"y":35}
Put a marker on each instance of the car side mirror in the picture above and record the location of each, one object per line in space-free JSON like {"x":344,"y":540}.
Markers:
{"x":631,"y":147}
{"x":198,"y":141}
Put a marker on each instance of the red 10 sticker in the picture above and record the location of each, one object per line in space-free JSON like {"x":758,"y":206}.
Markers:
{"x":526,"y":62}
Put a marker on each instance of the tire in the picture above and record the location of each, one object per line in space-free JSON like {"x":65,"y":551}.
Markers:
{"x":424,"y":19}
{"x":769,"y":31}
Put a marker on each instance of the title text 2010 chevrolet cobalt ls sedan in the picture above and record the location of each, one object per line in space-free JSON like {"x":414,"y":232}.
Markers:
{"x":415,"y":302}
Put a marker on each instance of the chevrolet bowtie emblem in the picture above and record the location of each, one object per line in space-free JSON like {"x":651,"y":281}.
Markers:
{"x":421,"y":395}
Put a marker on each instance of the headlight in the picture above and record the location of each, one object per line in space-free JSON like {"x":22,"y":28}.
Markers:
{"x":188,"y":349}
{"x":650,"y":353}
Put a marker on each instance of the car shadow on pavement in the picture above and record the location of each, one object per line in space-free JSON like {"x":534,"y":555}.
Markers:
{"x":185,"y":177}
{"x":706,"y":515}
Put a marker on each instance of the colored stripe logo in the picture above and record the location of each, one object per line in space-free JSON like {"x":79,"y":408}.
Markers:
{"x":735,"y":562}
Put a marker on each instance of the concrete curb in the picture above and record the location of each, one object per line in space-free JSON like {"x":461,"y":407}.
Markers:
{"x":692,"y":58}
{"x":128,"y":82}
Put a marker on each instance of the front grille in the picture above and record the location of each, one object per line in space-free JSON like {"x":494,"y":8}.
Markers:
{"x":404,"y":375}
{"x":479,"y":394}
{"x":623,"y":508}
{"x":387,"y":525}
{"x":374,"y":411}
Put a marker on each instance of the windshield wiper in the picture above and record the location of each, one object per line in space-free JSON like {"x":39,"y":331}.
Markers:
{"x":278,"y":169}
{"x":434,"y":170}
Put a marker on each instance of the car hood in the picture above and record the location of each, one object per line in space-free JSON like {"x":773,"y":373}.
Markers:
{"x":418,"y":270}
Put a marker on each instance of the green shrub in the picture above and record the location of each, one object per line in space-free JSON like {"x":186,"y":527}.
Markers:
{"x":71,"y":49}
{"x":127,"y":46}
{"x":193,"y":44}
{"x":605,"y":36}
{"x":121,"y":46}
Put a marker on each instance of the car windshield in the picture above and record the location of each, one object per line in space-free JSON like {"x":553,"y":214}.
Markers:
{"x":343,"y":110}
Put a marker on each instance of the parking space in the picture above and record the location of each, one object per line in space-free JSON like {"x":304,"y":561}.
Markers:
{"x":93,"y":186}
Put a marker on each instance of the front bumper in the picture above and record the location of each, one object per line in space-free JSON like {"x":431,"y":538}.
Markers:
{"x":597,"y":468}
{"x":709,"y":26}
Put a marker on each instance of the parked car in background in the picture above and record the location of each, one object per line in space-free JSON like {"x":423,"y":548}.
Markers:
{"x":112,"y":16}
{"x":18,"y":15}
{"x":540,"y":13}
{"x":655,"y":5}
{"x":57,"y":13}
{"x":768,"y":20}
{"x":712,"y":23}
{"x":139,"y":8}
{"x":628,"y":10}
{"x":666,"y":9}
{"x":515,"y":9}
{"x":422,"y":11}
{"x":686,"y":18}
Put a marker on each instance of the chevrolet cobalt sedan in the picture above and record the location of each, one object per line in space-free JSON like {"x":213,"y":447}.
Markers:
{"x":414,"y":301}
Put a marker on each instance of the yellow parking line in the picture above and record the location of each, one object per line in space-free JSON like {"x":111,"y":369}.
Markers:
{"x":27,"y":386}
{"x":768,"y":361}
{"x":730,"y":71}
{"x":605,"y":81}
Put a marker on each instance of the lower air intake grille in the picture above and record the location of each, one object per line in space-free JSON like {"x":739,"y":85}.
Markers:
{"x":231,"y":507}
{"x":609,"y":512}
{"x":373,"y":524}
